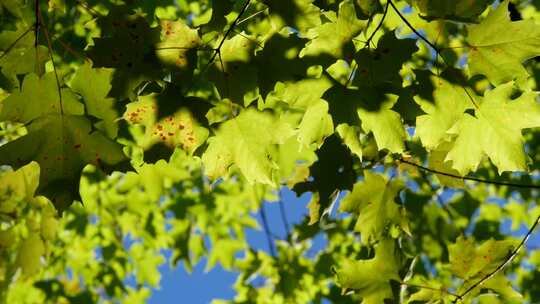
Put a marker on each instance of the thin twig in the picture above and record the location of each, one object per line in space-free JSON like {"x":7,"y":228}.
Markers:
{"x":284,"y":219}
{"x":267,"y":231}
{"x":443,"y":290}
{"x":480,"y":180}
{"x":368,"y":41}
{"x":183,"y":48}
{"x":37,"y":24}
{"x":248,"y":38}
{"x":433,"y":46}
{"x":437,"y":196}
{"x":90,"y":10}
{"x":507,"y":261}
{"x":253,"y":15}
{"x":217,"y":50}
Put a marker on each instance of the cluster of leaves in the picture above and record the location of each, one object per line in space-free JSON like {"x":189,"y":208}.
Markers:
{"x":133,"y":128}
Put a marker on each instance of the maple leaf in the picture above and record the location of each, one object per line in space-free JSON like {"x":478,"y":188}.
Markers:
{"x":495,"y":131}
{"x":38,"y":96}
{"x":459,"y":10}
{"x":316,"y":125}
{"x":59,"y":138}
{"x":334,"y":38}
{"x":233,"y":74}
{"x":437,"y":161}
{"x":373,"y":201}
{"x":94,"y":85}
{"x":128,"y":45}
{"x":333,"y":171}
{"x":279,"y":61}
{"x":178,"y":47}
{"x":472,"y":262}
{"x":371,"y":109}
{"x":443,"y":109}
{"x":299,"y":14}
{"x":498,"y":47}
{"x":382,"y":64}
{"x":370,"y":279}
{"x":248,"y":141}
{"x":351,"y":138}
{"x":170,"y":119}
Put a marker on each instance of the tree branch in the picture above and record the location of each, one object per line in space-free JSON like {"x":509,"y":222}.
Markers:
{"x":409,"y":25}
{"x":368,"y":41}
{"x":284,"y":219}
{"x":217,"y":50}
{"x":476,"y":179}
{"x":507,"y":261}
{"x":266,"y":227}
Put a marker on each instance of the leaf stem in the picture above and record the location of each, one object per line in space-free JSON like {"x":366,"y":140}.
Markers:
{"x":49,"y":46}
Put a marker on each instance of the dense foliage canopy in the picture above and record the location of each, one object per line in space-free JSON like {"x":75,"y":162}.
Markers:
{"x":133,"y":129}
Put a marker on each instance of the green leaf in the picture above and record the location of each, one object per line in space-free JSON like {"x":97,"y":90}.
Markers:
{"x":315,"y":126}
{"x":472,"y":262}
{"x":21,"y":183}
{"x":370,"y":279}
{"x":384,"y":123}
{"x":232,"y":72}
{"x":223,"y":251}
{"x":458,"y":10}
{"x":373,"y":200}
{"x":38,"y":97}
{"x":301,"y":15}
{"x":382,"y":64}
{"x":372,"y":108}
{"x":29,"y":255}
{"x":94,"y":85}
{"x":146,"y":264}
{"x":498,"y":47}
{"x":443,"y":109}
{"x":334,"y":38}
{"x":248,"y":141}
{"x":436,"y":161}
{"x":351,"y":138}
{"x":495,"y":131}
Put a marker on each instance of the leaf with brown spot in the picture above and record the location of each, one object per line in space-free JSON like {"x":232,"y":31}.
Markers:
{"x":62,"y":145}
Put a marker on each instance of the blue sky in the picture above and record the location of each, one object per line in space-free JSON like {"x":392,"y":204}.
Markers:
{"x":178,"y":286}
